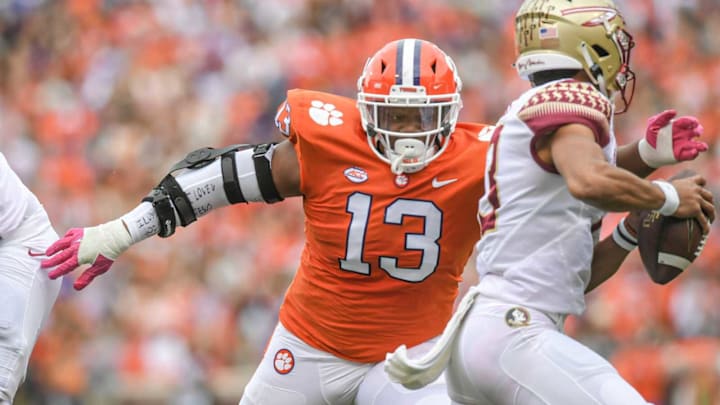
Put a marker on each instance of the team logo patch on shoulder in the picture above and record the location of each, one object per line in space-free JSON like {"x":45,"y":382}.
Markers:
{"x":517,"y":317}
{"x":282,"y":118}
{"x":284,"y":361}
{"x":356,"y":174}
{"x":325,"y":114}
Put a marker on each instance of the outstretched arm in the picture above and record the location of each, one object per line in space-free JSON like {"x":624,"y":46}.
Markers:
{"x":265,"y":173}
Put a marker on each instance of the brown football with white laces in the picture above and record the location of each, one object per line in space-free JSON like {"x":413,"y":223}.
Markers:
{"x":668,"y":245}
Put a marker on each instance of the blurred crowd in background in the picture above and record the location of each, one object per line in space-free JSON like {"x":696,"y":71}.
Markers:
{"x":98,"y":98}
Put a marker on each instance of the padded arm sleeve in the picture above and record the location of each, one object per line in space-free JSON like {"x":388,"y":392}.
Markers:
{"x":233,"y":177}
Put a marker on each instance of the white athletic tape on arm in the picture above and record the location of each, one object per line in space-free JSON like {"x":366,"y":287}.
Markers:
{"x":142,"y":222}
{"x":663,"y":153}
{"x":109,"y":239}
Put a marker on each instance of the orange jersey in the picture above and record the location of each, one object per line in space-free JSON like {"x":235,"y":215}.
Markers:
{"x":382,"y":261}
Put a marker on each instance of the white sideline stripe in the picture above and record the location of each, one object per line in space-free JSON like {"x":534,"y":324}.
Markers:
{"x":673,"y":260}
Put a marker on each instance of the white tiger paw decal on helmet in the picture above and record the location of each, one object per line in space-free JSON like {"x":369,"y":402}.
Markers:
{"x":325,"y":114}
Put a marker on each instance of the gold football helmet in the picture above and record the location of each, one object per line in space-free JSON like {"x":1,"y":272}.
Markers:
{"x":584,"y":35}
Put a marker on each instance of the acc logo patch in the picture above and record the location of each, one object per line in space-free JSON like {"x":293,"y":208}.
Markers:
{"x":284,"y":361}
{"x":325,"y":114}
{"x":517,"y":317}
{"x":356,"y":174}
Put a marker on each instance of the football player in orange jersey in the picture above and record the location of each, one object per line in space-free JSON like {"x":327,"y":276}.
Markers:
{"x":390,"y":184}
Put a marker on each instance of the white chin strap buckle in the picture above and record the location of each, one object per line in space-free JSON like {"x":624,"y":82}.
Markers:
{"x":406,"y":149}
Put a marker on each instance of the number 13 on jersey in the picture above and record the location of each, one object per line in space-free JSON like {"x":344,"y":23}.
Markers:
{"x":359,"y":206}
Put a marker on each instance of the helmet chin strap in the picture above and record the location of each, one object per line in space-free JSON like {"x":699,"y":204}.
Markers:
{"x":395,"y":165}
{"x":406,"y":149}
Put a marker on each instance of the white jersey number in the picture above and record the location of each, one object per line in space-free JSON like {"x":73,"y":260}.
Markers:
{"x":359,"y":204}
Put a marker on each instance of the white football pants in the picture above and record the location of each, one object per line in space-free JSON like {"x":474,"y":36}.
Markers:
{"x":26,"y":297}
{"x":511,"y":355}
{"x":294,"y":373}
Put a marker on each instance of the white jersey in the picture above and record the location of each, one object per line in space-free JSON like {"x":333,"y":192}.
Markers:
{"x":17,"y":202}
{"x":537,"y":243}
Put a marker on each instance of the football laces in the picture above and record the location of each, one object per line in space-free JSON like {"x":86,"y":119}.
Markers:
{"x":701,"y":245}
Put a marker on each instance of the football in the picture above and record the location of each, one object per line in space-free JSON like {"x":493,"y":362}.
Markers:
{"x":668,"y":244}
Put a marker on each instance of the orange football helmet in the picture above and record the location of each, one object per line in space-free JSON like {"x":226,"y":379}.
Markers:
{"x":409,"y":102}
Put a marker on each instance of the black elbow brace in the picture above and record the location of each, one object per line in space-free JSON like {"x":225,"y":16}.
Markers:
{"x":164,"y":210}
{"x":169,"y":199}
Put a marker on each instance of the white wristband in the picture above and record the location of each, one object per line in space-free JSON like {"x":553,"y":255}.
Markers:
{"x":672,"y":200}
{"x":623,"y":238}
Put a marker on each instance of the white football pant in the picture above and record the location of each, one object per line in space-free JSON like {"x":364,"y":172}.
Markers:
{"x":294,"y":373}
{"x":511,"y":355}
{"x":26,"y":297}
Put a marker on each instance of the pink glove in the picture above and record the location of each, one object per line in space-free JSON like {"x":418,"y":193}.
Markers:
{"x":98,"y":246}
{"x":669,"y":140}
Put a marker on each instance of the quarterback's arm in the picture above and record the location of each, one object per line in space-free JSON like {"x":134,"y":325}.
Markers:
{"x":589,"y":177}
{"x":628,"y":158}
{"x":261,"y":173}
{"x":610,"y":252}
{"x":607,"y":258}
{"x":579,"y":159}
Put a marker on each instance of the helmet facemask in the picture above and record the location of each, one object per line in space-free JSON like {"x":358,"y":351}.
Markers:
{"x":623,"y":84}
{"x":625,"y":78}
{"x":407,"y":128}
{"x":409,"y":103}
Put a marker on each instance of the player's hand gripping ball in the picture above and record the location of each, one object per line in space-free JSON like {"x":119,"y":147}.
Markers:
{"x":668,"y":245}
